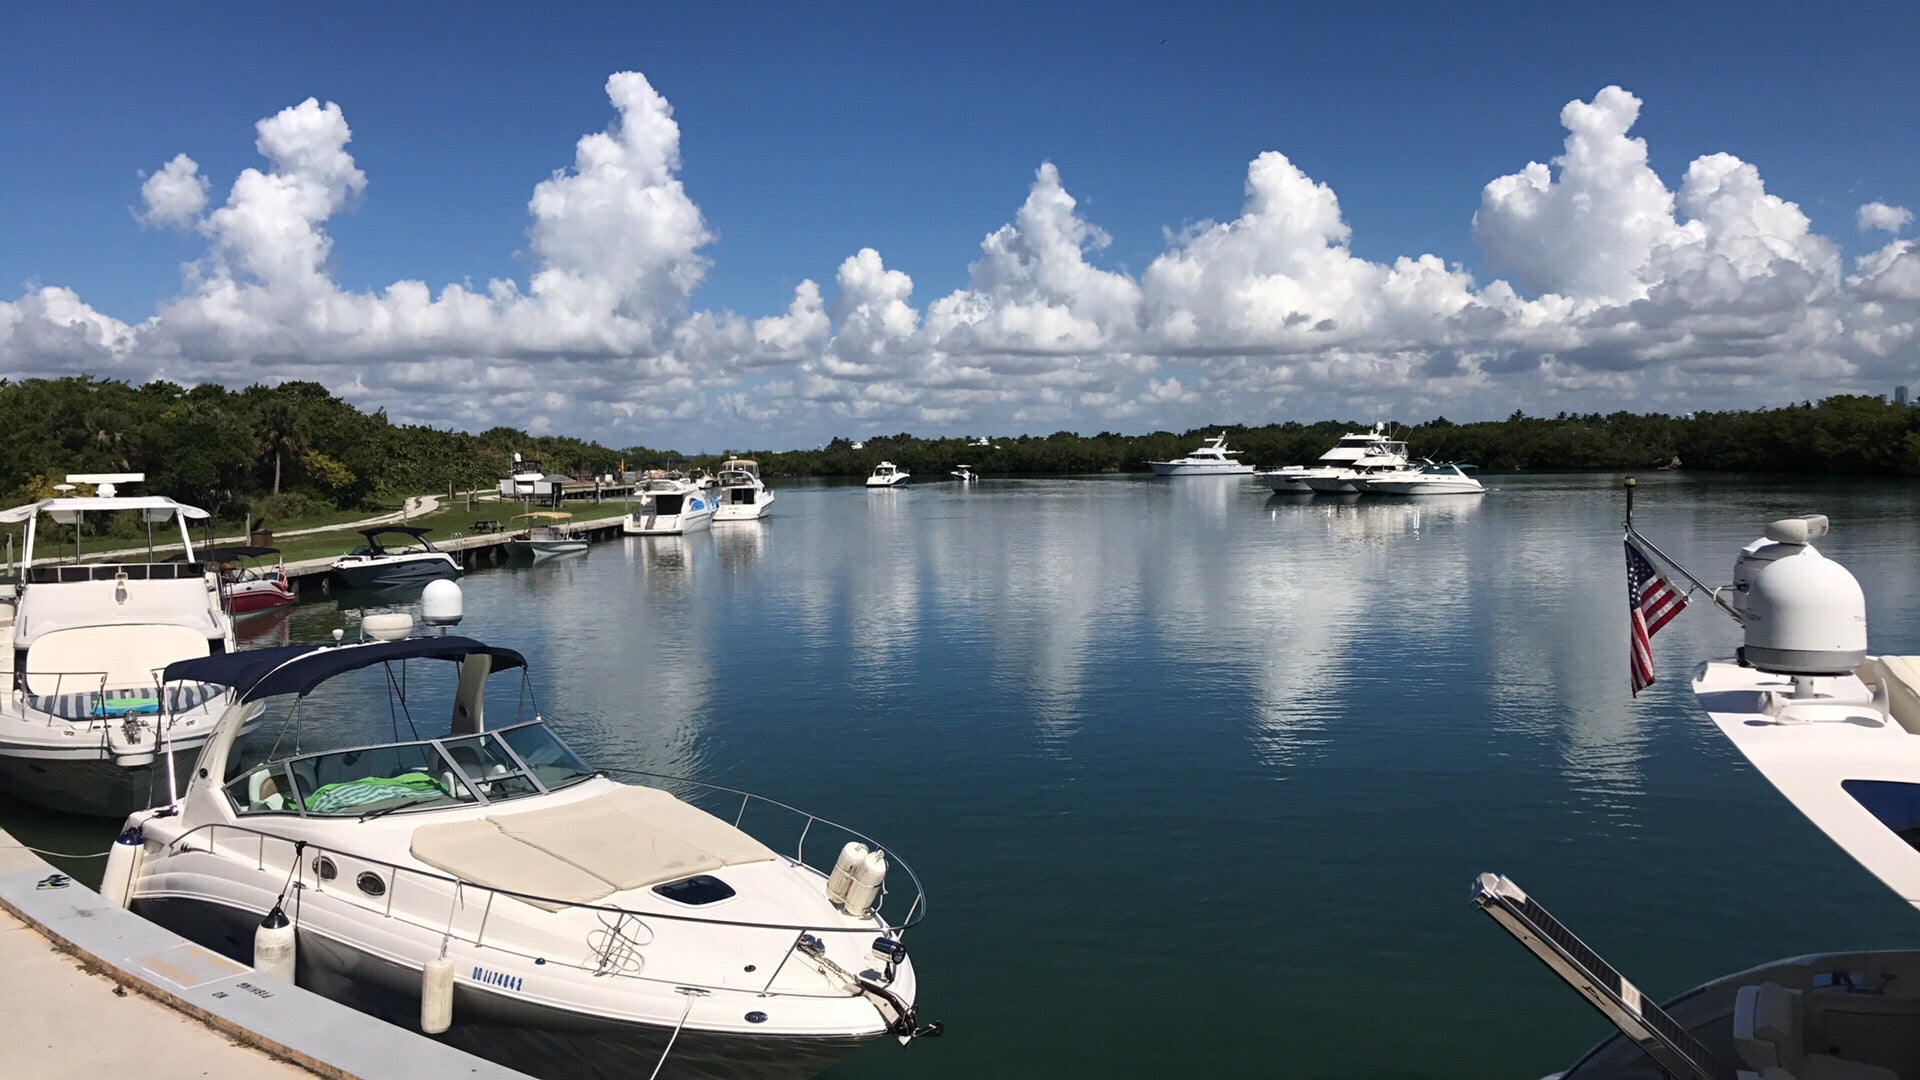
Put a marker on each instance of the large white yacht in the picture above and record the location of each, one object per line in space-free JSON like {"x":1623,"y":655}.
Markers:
{"x":522,"y":480}
{"x":86,"y":726}
{"x":669,"y":505}
{"x":1837,"y":731}
{"x":478,"y":880}
{"x":1421,"y":478}
{"x":1292,"y":479}
{"x":886,"y":475}
{"x":742,"y":495}
{"x":1212,"y":458}
{"x":1388,"y":455}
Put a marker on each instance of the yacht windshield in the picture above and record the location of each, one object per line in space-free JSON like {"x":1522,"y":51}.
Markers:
{"x":551,"y":763}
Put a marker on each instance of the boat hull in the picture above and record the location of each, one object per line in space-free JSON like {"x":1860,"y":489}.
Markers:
{"x":541,"y":549}
{"x":265,"y":597}
{"x":1332,"y":485}
{"x":92,"y":786}
{"x":1181,"y":468}
{"x":388,"y":575}
{"x":666,"y":524}
{"x":536,"y":1039}
{"x":1422,"y":487}
{"x":1286,"y":483}
{"x":729,"y":510}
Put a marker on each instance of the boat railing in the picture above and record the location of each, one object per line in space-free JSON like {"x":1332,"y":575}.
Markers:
{"x":79,"y":697}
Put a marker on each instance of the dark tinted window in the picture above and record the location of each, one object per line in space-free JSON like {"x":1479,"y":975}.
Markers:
{"x":1895,"y":803}
{"x":704,"y":889}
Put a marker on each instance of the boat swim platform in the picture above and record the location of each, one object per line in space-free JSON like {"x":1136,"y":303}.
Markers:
{"x":95,"y":990}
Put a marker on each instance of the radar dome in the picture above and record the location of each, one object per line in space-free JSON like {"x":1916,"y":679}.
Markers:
{"x":386,"y":626}
{"x":1805,"y":615}
{"x":441,"y":603}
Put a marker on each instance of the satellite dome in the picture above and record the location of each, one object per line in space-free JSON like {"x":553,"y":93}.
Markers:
{"x":1805,"y":614}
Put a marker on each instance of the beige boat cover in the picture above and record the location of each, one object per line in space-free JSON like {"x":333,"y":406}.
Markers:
{"x":589,"y":850}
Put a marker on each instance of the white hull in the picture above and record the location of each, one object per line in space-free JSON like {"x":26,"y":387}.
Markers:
{"x":886,"y":481}
{"x":1286,"y":482}
{"x":1467,"y":486}
{"x":1339,"y":484}
{"x":1177,"y":468}
{"x":640,"y":524}
{"x":744,"y":511}
{"x":541,"y":549}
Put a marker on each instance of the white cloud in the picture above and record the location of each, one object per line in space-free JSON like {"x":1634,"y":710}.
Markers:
{"x":1624,"y":294}
{"x":1878,"y":215}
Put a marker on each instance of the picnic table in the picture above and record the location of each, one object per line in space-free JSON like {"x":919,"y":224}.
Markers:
{"x":487,"y":525}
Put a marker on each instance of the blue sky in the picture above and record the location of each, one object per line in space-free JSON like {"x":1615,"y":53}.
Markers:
{"x":806,"y":136}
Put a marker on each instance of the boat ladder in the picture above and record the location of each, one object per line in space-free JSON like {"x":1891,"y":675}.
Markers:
{"x":1639,"y":1019}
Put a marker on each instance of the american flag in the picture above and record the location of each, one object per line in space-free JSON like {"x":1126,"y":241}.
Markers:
{"x":1652,"y":602}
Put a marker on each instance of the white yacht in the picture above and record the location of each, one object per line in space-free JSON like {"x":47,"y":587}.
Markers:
{"x":1388,"y":455}
{"x":1836,"y":730}
{"x":1211,"y":459}
{"x":1423,"y":478}
{"x":478,"y":879}
{"x":522,"y":480}
{"x":1292,"y":479}
{"x":670,"y":505}
{"x":547,"y":533}
{"x":742,"y":495}
{"x":965,"y":474}
{"x":378,"y":564}
{"x":886,"y":475}
{"x":86,"y":726}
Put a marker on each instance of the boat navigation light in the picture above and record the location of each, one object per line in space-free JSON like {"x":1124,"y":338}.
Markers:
{"x":1805,"y":614}
{"x":442,"y":604}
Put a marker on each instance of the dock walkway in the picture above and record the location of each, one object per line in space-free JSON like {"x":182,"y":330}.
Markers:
{"x":92,"y":990}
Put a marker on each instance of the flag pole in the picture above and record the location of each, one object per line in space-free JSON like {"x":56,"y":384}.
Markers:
{"x":1649,"y":546}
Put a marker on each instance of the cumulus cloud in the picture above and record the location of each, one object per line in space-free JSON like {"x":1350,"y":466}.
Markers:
{"x":1880,"y":216}
{"x":1616,"y":291}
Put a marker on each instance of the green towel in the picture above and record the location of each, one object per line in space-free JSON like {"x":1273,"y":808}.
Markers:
{"x":336,"y":798}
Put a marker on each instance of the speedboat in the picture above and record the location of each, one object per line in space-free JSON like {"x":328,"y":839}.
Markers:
{"x":1426,"y":478}
{"x":548,"y":532}
{"x":86,"y":726}
{"x":1388,"y":455}
{"x":1836,"y":730}
{"x":670,"y":505}
{"x":1292,"y":479}
{"x":743,"y":497}
{"x":375,"y":565}
{"x":965,"y":474}
{"x":1211,"y":459}
{"x":886,"y":475}
{"x":480,"y":881}
{"x":247,"y":584}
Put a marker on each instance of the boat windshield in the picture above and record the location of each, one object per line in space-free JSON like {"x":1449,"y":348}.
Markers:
{"x":490,"y":767}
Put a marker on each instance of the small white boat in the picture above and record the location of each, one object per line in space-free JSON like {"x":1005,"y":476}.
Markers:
{"x":1292,"y":479}
{"x":1427,"y":478}
{"x":742,"y":495}
{"x":376,"y":565}
{"x":669,"y":505}
{"x":86,"y":726}
{"x":548,"y":533}
{"x":886,"y":475}
{"x":520,"y":903}
{"x":1211,"y":459}
{"x":966,"y":475}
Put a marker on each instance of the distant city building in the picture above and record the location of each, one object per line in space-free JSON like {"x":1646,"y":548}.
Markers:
{"x":1899,"y":395}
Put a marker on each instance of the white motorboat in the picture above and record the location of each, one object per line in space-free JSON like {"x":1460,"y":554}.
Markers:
{"x":478,"y":879}
{"x":86,"y":726}
{"x":1835,"y":730}
{"x":379,"y":565}
{"x":886,"y":475}
{"x":548,"y":533}
{"x":742,"y":495}
{"x":1211,"y":459}
{"x":1388,"y":455}
{"x":1425,"y":478}
{"x":522,"y":480}
{"x":966,"y":475}
{"x":1292,"y":479}
{"x":669,"y":505}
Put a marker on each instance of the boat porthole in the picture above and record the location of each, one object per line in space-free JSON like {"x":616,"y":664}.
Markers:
{"x":324,"y":869}
{"x":370,"y":883}
{"x":750,"y":967}
{"x":756,"y":1018}
{"x":539,"y":960}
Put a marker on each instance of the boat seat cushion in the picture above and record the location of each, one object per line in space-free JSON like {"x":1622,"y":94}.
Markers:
{"x":1766,"y":1025}
{"x":635,"y":837}
{"x":478,"y":852}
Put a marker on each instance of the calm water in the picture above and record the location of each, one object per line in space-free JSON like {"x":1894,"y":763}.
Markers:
{"x":1197,"y":779}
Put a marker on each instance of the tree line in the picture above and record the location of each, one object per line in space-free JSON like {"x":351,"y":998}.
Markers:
{"x":295,"y":450}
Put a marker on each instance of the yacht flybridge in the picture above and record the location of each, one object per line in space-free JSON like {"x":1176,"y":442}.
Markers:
{"x":742,"y":496}
{"x":1837,"y":731}
{"x":86,"y":725}
{"x":474,"y":877}
{"x":1212,"y":458}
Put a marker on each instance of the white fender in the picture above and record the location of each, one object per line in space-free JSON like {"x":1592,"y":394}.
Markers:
{"x":436,"y":995}
{"x":867,"y":879}
{"x":124,"y":862}
{"x":842,"y":877}
{"x":273,"y":946}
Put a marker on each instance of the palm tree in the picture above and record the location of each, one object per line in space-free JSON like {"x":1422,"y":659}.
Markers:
{"x":276,"y":432}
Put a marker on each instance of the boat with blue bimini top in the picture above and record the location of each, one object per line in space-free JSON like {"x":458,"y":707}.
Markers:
{"x":86,"y":725}
{"x":475,"y":878}
{"x":381,"y":565}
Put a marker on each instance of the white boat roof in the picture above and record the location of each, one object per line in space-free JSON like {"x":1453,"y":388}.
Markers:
{"x":90,"y":503}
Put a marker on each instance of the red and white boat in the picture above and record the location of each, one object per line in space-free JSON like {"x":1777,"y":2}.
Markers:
{"x":247,"y":583}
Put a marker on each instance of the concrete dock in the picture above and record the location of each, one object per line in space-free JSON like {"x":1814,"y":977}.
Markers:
{"x":93,"y":990}
{"x":483,"y":549}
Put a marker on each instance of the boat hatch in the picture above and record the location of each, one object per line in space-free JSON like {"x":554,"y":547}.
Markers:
{"x":1643,"y":1021}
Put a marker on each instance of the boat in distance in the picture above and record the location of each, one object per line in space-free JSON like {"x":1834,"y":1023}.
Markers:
{"x":742,"y":495}
{"x":1211,"y":458}
{"x":1425,"y":478}
{"x":547,"y":533}
{"x":886,"y":475}
{"x":1836,"y":730}
{"x":376,"y":565}
{"x":480,"y":881}
{"x":669,"y":505}
{"x":1292,"y":479}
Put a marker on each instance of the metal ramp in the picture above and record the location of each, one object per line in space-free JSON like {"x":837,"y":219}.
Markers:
{"x":1643,"y":1021}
